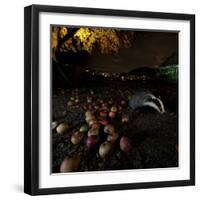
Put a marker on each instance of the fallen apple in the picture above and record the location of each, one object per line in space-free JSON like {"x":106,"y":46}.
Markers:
{"x":61,"y":128}
{"x":72,"y":98}
{"x":89,"y":118}
{"x":109,"y":129}
{"x":70,"y":164}
{"x":96,"y":107}
{"x":88,"y":113}
{"x":83,"y":128}
{"x":112,"y":137}
{"x":92,"y":141}
{"x":89,"y":100}
{"x":76,"y":101}
{"x":69,"y":103}
{"x":105,"y":149}
{"x":112,"y":114}
{"x":92,"y":122}
{"x":103,"y":113}
{"x":76,"y":137}
{"x":113,"y":109}
{"x":96,"y":125}
{"x":91,"y":92}
{"x":93,"y":131}
{"x":125,"y":144}
{"x":103,"y":122}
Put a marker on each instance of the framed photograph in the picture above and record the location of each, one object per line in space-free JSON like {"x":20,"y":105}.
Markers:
{"x":109,"y":100}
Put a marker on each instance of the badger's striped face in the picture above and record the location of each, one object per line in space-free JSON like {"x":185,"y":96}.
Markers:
{"x":154,"y":103}
{"x":147,"y":99}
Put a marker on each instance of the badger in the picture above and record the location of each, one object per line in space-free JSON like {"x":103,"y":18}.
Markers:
{"x":146,"y":100}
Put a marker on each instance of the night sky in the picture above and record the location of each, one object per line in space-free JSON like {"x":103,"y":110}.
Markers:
{"x":150,"y":49}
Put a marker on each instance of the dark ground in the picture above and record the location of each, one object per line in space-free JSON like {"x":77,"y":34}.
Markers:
{"x":154,"y":136}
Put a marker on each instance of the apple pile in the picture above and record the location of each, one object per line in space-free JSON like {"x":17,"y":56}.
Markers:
{"x":96,"y":120}
{"x":98,"y":131}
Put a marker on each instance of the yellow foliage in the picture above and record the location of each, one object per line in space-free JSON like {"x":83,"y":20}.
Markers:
{"x":87,"y":37}
{"x":54,"y":41}
{"x":107,"y":40}
{"x":63,"y":31}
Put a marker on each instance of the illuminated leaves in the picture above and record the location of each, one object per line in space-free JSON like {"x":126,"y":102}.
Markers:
{"x":108,"y":41}
{"x":54,"y":41}
{"x":63,"y":31}
{"x":86,"y":37}
{"x":57,"y":34}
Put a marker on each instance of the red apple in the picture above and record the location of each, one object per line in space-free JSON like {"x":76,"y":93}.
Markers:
{"x":103,"y":114}
{"x":92,"y":141}
{"x":103,"y":122}
{"x":125,"y":144}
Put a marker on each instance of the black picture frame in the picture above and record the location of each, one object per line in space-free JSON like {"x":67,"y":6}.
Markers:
{"x":31,"y":98}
